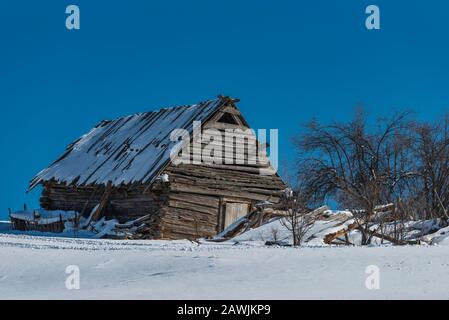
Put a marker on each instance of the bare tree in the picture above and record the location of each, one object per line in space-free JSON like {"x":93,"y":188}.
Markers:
{"x":432,"y":155}
{"x":360,"y":169}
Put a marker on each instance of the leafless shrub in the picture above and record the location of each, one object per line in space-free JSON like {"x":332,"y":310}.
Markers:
{"x":298,"y":219}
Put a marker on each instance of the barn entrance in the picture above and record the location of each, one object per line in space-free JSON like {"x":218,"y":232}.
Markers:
{"x":234,"y":211}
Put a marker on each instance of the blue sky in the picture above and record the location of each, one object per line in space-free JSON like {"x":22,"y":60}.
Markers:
{"x":287,"y":61}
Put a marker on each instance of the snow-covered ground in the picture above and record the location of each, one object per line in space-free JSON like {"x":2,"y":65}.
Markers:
{"x":35,"y":267}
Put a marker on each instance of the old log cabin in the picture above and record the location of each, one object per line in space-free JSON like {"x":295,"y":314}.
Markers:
{"x":122,"y":169}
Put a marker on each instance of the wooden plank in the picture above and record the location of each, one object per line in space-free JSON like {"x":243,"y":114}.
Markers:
{"x":103,"y":202}
{"x":191,"y":206}
{"x":256,"y":186}
{"x":209,"y":171}
{"x":208,"y":201}
{"x":210,"y":191}
{"x":234,"y":211}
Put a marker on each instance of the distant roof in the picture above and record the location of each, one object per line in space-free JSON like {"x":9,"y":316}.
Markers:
{"x":130,"y":149}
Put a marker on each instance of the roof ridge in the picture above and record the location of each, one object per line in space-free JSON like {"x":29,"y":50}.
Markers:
{"x":186,"y":106}
{"x":179,"y":106}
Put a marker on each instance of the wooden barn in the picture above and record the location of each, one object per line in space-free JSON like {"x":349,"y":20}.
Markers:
{"x":123,"y":169}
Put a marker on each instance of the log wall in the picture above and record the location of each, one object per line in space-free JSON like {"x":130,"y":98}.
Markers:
{"x":197,"y":194}
{"x":124,"y":204}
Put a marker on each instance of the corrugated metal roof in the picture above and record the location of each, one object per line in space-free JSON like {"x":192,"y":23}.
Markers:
{"x":130,"y":149}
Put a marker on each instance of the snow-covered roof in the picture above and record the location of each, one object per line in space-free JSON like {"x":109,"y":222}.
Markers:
{"x":130,"y":149}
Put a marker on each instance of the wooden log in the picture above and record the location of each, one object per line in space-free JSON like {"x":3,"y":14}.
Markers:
{"x":386,"y":237}
{"x":208,"y":201}
{"x":332,"y":236}
{"x":262,"y":186}
{"x":193,"y":207}
{"x":174,"y":215}
{"x":203,"y":190}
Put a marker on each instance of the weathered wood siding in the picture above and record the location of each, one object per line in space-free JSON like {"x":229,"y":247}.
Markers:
{"x":190,"y":216}
{"x":198,"y":195}
{"x":123,"y":205}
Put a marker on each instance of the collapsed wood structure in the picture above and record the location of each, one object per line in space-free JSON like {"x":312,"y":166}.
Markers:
{"x":30,"y":225}
{"x":40,"y":220}
{"x":382,"y":214}
{"x":124,"y":169}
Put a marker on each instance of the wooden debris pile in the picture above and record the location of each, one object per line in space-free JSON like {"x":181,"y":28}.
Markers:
{"x":132,"y":229}
{"x":383,"y":214}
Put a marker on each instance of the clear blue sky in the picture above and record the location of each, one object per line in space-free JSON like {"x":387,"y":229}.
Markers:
{"x":287,"y":61}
